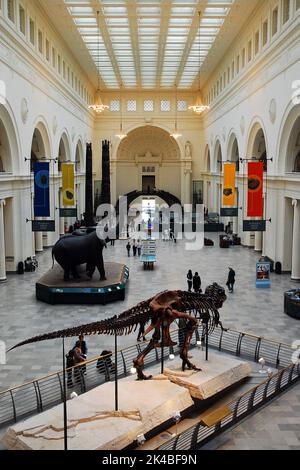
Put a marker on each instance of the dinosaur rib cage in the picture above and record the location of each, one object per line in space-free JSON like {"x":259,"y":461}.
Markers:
{"x":203,"y":309}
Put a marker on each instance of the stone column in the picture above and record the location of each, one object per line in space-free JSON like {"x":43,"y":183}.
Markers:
{"x":205,"y":202}
{"x":113,"y":177}
{"x":296,"y":242}
{"x":258,"y":241}
{"x":188,"y":176}
{"x":235,"y":225}
{"x":2,"y":242}
{"x":39,"y":242}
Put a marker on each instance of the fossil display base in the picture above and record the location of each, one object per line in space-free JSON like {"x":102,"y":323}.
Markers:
{"x":92,"y":423}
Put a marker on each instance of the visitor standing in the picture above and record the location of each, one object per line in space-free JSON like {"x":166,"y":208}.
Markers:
{"x":197,"y":283}
{"x":231,"y":280}
{"x":134,"y":248}
{"x":128,"y":248}
{"x":69,"y":366}
{"x":139,"y":247}
{"x":78,"y":358}
{"x":189,"y":279}
{"x":81,"y":343}
{"x":141,"y":331}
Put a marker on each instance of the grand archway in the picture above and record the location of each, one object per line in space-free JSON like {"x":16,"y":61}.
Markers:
{"x":9,"y":164}
{"x":257,"y":145}
{"x":9,"y":149}
{"x":149,"y":160}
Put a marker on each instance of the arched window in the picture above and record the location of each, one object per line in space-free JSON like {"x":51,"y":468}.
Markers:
{"x":297,"y":163}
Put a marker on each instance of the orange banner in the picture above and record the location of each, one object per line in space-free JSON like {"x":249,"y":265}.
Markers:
{"x":229,"y":184}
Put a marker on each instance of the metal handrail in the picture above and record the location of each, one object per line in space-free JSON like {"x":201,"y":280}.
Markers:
{"x":12,"y":400}
{"x":234,"y":404}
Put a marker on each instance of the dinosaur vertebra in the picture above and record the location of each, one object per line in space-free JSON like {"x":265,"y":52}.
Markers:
{"x":160,"y":311}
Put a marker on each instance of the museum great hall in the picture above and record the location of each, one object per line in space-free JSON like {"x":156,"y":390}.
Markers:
{"x":188,"y":102}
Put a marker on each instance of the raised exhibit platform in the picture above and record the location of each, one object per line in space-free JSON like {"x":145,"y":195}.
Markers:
{"x":144,"y":406}
{"x":92,"y":423}
{"x":52,"y":288}
{"x":218,"y":374}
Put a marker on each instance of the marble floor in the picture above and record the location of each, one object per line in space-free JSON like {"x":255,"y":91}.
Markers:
{"x":248,"y":309}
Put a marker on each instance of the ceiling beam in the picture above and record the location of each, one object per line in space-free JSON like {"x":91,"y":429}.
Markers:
{"x":202,"y":4}
{"x":164,"y":26}
{"x":97,"y":6}
{"x":133,"y":26}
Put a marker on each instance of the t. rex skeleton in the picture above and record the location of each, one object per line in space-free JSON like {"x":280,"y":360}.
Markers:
{"x":160,"y":311}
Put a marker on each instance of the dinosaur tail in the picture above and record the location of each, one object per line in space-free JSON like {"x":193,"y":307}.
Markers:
{"x":122,"y":324}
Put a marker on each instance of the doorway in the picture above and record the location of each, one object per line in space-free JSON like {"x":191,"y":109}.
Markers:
{"x":148,"y":184}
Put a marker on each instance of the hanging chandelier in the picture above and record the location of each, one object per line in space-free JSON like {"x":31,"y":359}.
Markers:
{"x":199,"y":107}
{"x":98,"y":106}
{"x":175,"y":134}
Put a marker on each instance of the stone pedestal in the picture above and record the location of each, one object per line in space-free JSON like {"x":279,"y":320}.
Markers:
{"x":143,"y":406}
{"x":217,"y":374}
{"x":92,"y":422}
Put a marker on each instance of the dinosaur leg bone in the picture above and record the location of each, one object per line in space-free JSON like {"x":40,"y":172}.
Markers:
{"x":190,"y":328}
{"x":139,"y":361}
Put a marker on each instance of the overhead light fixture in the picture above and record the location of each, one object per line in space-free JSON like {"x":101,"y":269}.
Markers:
{"x":199,"y":107}
{"x":122,"y":135}
{"x":176,"y":134}
{"x":98,"y":106}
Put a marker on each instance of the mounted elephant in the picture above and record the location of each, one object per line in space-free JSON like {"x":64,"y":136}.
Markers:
{"x":72,"y":251}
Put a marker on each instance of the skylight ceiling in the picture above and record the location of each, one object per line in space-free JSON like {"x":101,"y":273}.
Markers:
{"x":148,"y":44}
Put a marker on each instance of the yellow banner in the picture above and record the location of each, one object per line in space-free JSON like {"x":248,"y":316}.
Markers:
{"x":229,"y":185}
{"x":68,"y":186}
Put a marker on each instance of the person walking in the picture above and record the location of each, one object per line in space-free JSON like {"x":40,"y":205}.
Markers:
{"x":189,"y":279}
{"x":197,"y":283}
{"x":139,"y":247}
{"x":231,"y":280}
{"x":128,"y":248}
{"x":134,"y":248}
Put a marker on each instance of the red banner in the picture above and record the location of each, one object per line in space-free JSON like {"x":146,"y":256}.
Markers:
{"x":255,"y":189}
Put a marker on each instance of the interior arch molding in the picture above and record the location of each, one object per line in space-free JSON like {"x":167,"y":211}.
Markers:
{"x":149,"y":142}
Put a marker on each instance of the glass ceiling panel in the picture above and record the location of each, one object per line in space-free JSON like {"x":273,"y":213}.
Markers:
{"x":146,"y":44}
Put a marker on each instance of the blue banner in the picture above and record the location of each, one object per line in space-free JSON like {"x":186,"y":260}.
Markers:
{"x":41,"y":189}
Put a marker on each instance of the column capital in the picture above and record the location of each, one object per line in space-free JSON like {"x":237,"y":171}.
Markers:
{"x":295,"y":202}
{"x":2,"y":202}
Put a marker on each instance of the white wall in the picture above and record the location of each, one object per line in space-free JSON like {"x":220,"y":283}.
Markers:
{"x":260,"y":96}
{"x":34,"y":98}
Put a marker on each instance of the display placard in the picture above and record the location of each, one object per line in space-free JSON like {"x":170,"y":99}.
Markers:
{"x":229,"y":212}
{"x":254,"y":225}
{"x":263,"y":279}
{"x":43,"y":225}
{"x":68,"y":212}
